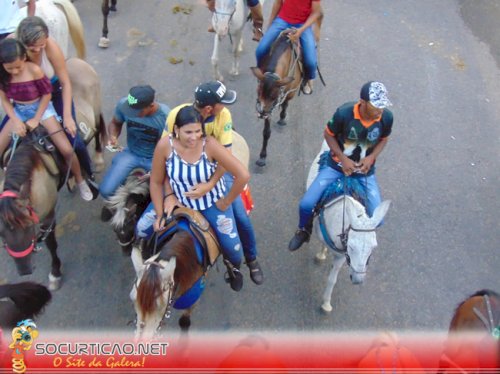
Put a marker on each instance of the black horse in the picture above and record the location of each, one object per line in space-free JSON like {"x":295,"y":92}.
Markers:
{"x":21,"y":301}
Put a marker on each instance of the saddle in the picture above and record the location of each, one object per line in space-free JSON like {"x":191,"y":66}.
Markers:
{"x":50,"y":156}
{"x":200,"y":228}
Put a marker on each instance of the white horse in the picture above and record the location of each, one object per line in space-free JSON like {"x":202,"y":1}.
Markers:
{"x":228,"y":18}
{"x":345,"y":215}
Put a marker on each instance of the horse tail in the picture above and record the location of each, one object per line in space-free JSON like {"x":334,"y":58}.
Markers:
{"x":75,"y":26}
{"x":102,"y":135}
{"x":149,"y":289}
{"x":29,"y":297}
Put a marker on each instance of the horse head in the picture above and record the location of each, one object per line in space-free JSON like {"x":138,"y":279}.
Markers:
{"x":152,"y":293}
{"x":222,"y":16}
{"x":270,"y":91}
{"x":361,"y":237}
{"x":128,"y":203}
{"x":160,"y":279}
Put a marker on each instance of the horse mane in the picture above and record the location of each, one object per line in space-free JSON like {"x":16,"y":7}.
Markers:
{"x":482,"y":292}
{"x":279,"y":46}
{"x":30,"y":298}
{"x":150,"y":287}
{"x":118,"y":202}
{"x":18,"y":173}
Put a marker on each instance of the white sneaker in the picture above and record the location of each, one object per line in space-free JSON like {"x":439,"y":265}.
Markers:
{"x":85,"y":192}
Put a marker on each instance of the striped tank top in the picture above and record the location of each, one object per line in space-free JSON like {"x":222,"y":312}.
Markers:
{"x":184,"y":175}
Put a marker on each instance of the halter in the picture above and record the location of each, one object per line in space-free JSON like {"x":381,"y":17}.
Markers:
{"x":172,"y":289}
{"x":216,"y":13}
{"x":34,"y":217}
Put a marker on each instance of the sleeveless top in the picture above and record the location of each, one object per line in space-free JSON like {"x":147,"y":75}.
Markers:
{"x":29,"y":90}
{"x":184,"y":175}
{"x":46,"y":66}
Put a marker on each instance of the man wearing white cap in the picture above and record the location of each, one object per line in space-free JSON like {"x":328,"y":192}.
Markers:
{"x":356,"y":134}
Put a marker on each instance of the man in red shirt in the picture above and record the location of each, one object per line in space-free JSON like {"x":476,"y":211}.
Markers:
{"x":300,"y":14}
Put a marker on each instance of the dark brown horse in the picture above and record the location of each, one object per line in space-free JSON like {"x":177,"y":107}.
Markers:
{"x":474,"y":335}
{"x":280,"y":77}
{"x":173,"y":278}
{"x":21,"y":301}
{"x":27,"y":210}
{"x":105,"y":8}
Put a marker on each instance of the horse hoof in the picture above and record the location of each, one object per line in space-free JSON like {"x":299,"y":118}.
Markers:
{"x":98,"y":163}
{"x":112,"y":8}
{"x":54,"y":282}
{"x":184,"y":323}
{"x":71,"y":184}
{"x":326,"y":308}
{"x":103,"y":42}
{"x":320,"y":257}
{"x":281,"y":122}
{"x":261,"y":162}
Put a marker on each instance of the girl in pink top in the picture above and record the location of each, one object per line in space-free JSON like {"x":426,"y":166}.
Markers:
{"x":25,"y":93}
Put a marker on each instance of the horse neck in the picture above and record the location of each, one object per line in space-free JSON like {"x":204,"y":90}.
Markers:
{"x":337,"y":216}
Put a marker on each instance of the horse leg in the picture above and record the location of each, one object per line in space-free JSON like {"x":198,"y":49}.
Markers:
{"x":338,"y":261}
{"x":113,"y":5}
{"x":321,"y":255}
{"x":104,"y":41}
{"x":100,"y":139}
{"x":266,"y":134}
{"x":185,"y":320}
{"x":215,"y":60}
{"x":237,"y":48}
{"x":282,"y":120}
{"x":55,"y":274}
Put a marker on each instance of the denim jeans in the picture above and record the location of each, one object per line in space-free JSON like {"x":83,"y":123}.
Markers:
{"x":324,"y":178}
{"x":27,"y":111}
{"x":223,"y":224}
{"x":121,"y":166}
{"x":306,"y":41}
{"x":243,"y":223}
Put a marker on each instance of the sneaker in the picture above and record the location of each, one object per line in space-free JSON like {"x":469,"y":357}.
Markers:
{"x":106,"y":214}
{"x":301,"y":236}
{"x":85,"y":192}
{"x":256,"y":273}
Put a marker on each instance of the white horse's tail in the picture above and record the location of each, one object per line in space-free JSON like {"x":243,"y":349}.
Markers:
{"x":75,"y":26}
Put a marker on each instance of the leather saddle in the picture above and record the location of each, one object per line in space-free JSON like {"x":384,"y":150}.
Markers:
{"x":200,"y":228}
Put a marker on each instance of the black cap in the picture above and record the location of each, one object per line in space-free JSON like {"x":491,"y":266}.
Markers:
{"x":212,"y":93}
{"x":139,"y":97}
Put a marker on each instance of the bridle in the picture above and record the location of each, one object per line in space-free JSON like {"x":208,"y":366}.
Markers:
{"x":283,"y":93}
{"x":34,"y":217}
{"x":171,"y":287}
{"x":231,"y":14}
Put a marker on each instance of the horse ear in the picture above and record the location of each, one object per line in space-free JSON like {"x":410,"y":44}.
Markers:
{"x":380,"y":212}
{"x":137,"y":260}
{"x":257,"y":72}
{"x":285,"y":81}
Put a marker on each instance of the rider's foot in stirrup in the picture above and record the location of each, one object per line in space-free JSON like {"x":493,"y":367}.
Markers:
{"x":301,"y":236}
{"x":233,"y":276}
{"x":85,"y":192}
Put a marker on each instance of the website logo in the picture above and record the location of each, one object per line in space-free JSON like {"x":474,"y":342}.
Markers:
{"x":23,"y":336}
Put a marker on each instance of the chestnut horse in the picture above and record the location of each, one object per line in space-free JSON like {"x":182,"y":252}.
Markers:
{"x":280,"y":77}
{"x":474,"y":335}
{"x":21,"y":301}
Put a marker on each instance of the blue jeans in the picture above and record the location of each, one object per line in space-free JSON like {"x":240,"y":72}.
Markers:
{"x":306,"y":41}
{"x":243,"y":223}
{"x":121,"y":166}
{"x":223,"y":224}
{"x":324,"y":178}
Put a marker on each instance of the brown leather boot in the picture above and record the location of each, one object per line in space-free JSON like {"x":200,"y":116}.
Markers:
{"x":258,"y":22}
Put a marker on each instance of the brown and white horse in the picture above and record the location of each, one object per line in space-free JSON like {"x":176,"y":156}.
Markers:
{"x":473,"y":343}
{"x":280,"y":77}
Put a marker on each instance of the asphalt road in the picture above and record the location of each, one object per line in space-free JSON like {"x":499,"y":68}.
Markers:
{"x":440,"y":240}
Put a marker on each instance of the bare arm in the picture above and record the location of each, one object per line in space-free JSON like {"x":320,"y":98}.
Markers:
{"x":366,"y":163}
{"x":19,"y":127}
{"x":33,"y":123}
{"x":114,"y":131}
{"x":31,"y":8}
{"x":274,"y":11}
{"x":316,"y":14}
{"x":348,"y":165}
{"x":56,"y":58}
{"x":233,"y":166}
